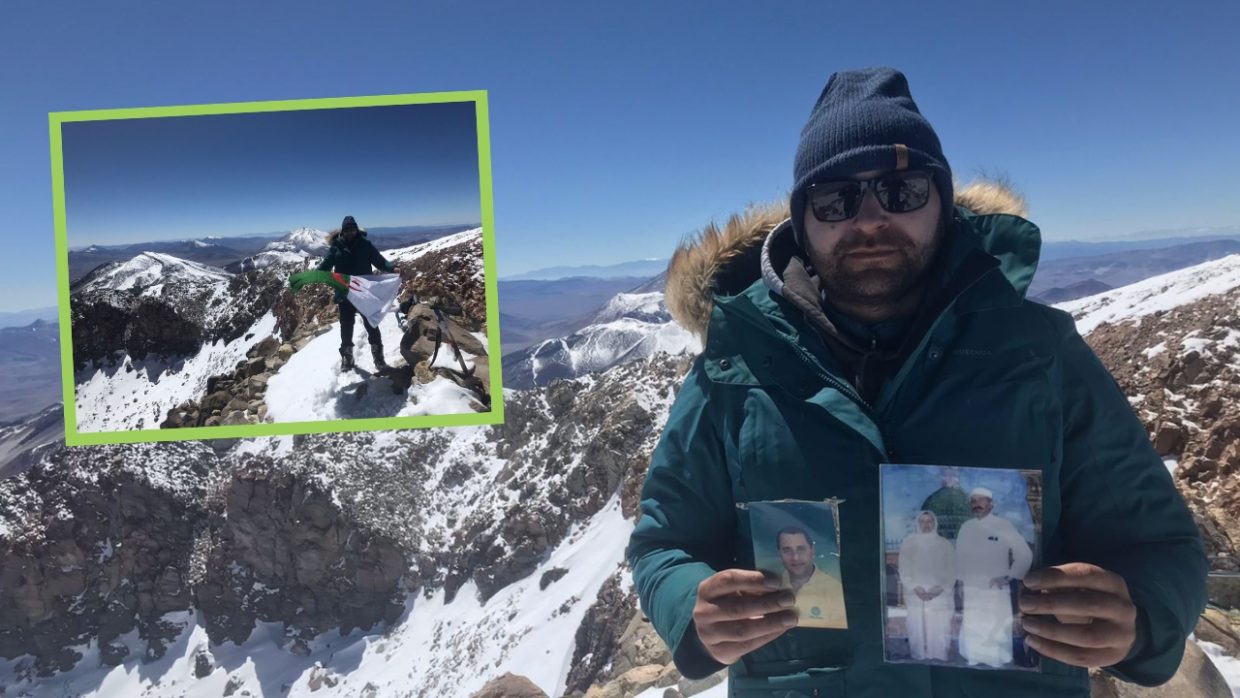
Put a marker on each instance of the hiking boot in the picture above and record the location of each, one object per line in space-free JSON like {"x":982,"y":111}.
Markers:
{"x":376,"y":353}
{"x":346,"y":358}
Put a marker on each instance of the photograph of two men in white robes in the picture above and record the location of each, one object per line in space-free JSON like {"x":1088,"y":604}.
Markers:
{"x":957,"y":543}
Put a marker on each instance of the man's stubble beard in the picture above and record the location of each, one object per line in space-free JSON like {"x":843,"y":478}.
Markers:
{"x":877,"y":287}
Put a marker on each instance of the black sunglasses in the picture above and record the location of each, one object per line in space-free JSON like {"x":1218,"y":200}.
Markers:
{"x":897,"y":192}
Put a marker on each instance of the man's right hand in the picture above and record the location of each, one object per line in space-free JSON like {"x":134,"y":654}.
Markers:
{"x":737,"y":612}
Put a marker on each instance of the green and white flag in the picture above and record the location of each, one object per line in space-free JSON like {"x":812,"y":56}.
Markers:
{"x":374,"y":295}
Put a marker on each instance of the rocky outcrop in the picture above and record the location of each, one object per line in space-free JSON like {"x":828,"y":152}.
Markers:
{"x":304,"y":315}
{"x":598,"y":639}
{"x":510,"y":686}
{"x":283,"y":550}
{"x":107,"y":322}
{"x":452,"y":272}
{"x":99,"y":542}
{"x":568,"y":450}
{"x":169,"y":317}
{"x":95,"y":547}
{"x":423,"y":342}
{"x":1181,"y":369}
{"x":237,"y":397}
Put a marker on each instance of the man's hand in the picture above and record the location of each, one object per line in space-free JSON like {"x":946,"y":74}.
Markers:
{"x":737,"y":611}
{"x":1094,"y":624}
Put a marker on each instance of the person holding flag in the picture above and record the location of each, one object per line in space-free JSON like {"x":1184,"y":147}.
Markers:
{"x":348,"y":264}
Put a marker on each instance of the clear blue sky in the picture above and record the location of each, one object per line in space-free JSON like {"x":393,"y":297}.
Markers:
{"x":168,"y":178}
{"x":619,"y":127}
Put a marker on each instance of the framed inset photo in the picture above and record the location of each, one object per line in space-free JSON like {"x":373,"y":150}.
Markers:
{"x":957,"y":542}
{"x":797,"y":543}
{"x":266,"y":268}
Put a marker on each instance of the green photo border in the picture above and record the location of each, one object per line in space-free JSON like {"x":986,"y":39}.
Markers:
{"x":495,"y":416}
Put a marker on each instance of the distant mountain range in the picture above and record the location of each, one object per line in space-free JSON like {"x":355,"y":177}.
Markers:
{"x":643,"y":268}
{"x":1062,"y":249}
{"x":20,"y":318}
{"x":29,"y":369}
{"x":631,"y":326}
{"x":1063,"y":279}
{"x":231,"y":251}
{"x":532,"y":311}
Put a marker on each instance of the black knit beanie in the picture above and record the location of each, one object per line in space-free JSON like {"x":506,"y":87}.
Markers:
{"x":348,"y":224}
{"x":865,"y":120}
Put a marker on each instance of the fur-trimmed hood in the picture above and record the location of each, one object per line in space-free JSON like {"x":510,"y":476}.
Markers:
{"x":333,"y":235}
{"x":723,"y":261}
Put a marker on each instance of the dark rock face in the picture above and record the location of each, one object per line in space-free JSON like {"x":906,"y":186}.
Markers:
{"x":172,"y":318}
{"x":99,"y":541}
{"x":99,"y":325}
{"x":93,"y":548}
{"x":285,"y":551}
{"x":450,"y":274}
{"x":598,"y":636}
{"x":301,"y":314}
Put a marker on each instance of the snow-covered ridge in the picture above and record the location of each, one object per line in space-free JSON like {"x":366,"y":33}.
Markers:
{"x":412,"y":252}
{"x":646,"y":306}
{"x":296,"y":247}
{"x":150,"y":268}
{"x":1163,"y":292}
{"x":631,"y":326}
{"x":310,"y":240}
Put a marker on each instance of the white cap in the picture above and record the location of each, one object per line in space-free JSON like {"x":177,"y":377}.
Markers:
{"x":982,"y":491}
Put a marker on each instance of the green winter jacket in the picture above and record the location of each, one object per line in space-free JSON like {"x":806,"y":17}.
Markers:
{"x":996,"y":381}
{"x":355,"y":258}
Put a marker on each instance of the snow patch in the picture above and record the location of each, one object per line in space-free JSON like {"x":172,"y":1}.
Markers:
{"x":137,"y":394}
{"x":1227,"y":665}
{"x":311,"y":386}
{"x":1163,"y":292}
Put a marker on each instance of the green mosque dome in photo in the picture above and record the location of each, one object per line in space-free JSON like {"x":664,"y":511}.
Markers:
{"x":950,"y":504}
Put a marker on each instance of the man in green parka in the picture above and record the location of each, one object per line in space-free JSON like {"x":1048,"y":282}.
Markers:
{"x":349,"y":252}
{"x":885,"y":322}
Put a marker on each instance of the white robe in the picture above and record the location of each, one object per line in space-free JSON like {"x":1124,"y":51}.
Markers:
{"x":985,"y":549}
{"x":927,"y":560}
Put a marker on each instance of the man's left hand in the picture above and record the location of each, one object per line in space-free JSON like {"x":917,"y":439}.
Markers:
{"x":1079,"y":614}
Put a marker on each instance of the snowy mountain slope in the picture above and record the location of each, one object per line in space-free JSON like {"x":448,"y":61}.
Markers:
{"x":137,"y":393}
{"x":311,"y":386}
{"x":157,"y":304}
{"x":148,"y":271}
{"x":413,"y":252}
{"x":310,"y":240}
{"x":21,"y":441}
{"x":146,"y":361}
{"x":297,"y":247}
{"x":1159,"y":293}
{"x":630,"y":327}
{"x":435,"y":649}
{"x":489,"y":517}
{"x":511,"y":531}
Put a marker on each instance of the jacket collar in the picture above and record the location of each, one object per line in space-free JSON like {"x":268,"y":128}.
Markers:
{"x":723,"y":260}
